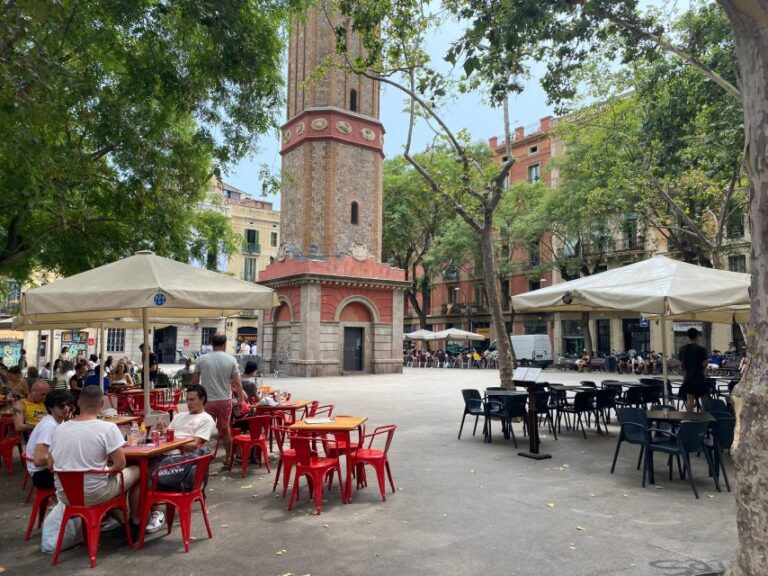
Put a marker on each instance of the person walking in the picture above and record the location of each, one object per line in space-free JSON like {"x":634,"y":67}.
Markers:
{"x":693,"y":360}
{"x":218,"y":372}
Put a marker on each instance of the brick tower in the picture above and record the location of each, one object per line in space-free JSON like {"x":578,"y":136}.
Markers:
{"x":341,"y":309}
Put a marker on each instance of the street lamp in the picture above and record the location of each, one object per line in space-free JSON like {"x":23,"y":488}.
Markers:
{"x":469,"y":312}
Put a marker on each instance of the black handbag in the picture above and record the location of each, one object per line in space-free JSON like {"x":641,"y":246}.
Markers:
{"x":181,"y":476}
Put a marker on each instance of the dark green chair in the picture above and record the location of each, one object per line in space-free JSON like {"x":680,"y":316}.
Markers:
{"x":634,"y":430}
{"x":688,"y":439}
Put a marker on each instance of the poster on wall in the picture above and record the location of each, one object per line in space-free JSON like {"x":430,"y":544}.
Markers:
{"x":76,"y":341}
{"x":11,"y":350}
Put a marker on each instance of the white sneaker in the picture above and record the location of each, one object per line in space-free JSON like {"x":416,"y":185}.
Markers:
{"x":156,"y":521}
{"x":109,"y":524}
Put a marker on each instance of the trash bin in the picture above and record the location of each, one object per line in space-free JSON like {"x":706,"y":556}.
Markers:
{"x":611,"y":364}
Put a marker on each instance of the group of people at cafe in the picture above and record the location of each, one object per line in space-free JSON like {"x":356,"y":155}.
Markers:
{"x":63,"y":431}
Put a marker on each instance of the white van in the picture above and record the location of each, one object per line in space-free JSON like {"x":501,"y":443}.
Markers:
{"x":530,"y":349}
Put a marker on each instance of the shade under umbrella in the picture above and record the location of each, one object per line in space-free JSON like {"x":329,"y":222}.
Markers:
{"x":143,"y":286}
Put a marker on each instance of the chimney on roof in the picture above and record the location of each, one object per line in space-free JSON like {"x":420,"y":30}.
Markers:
{"x":519,"y":132}
{"x":546,"y":123}
{"x":493,"y":142}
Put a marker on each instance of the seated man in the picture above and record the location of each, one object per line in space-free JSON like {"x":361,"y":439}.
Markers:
{"x":87,"y":443}
{"x":93,"y":380}
{"x":28,"y":411}
{"x":58,"y":404}
{"x":196,"y":423}
{"x":714,"y":362}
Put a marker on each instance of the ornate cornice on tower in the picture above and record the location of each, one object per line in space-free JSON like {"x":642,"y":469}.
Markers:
{"x":329,"y":123}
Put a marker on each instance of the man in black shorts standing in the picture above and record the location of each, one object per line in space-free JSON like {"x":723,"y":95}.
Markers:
{"x":693,"y":358}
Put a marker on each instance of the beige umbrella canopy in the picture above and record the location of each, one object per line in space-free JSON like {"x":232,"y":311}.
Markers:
{"x":656,"y":286}
{"x":146,"y":287}
{"x":453,"y":334}
{"x":418,"y":335}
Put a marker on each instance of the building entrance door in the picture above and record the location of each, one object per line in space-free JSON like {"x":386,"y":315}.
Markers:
{"x":164,"y":344}
{"x":353,"y":349}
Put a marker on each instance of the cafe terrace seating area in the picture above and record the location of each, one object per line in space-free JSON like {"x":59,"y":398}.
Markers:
{"x":316,"y":453}
{"x":441,"y":499}
{"x":646,"y":418}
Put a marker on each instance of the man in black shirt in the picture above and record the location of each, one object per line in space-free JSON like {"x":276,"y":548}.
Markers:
{"x":693,"y":358}
{"x":154,"y":360}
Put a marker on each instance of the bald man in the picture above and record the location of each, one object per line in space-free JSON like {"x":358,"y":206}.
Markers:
{"x":28,"y":411}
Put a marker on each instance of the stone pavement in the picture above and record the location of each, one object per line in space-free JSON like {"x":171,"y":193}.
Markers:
{"x":461,"y":507}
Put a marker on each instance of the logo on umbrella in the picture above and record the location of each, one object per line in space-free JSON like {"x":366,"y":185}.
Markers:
{"x":159,"y":299}
{"x":568,"y":297}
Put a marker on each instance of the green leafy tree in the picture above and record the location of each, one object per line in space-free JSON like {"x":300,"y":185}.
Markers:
{"x":413,"y":217}
{"x":499,"y":40}
{"x":211,"y":238}
{"x":113,"y":116}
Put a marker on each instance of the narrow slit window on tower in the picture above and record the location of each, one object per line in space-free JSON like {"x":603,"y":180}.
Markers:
{"x":353,"y":217}
{"x":353,"y":100}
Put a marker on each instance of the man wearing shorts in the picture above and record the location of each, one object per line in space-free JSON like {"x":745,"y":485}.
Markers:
{"x":693,"y":360}
{"x":217,"y":372}
{"x":87,"y":443}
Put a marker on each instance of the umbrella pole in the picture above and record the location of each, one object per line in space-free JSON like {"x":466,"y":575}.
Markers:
{"x":102,"y":353}
{"x":145,"y":359}
{"x":664,"y":371}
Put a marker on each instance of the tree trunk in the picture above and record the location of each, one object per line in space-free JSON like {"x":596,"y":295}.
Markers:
{"x":506,"y":357}
{"x":750,"y":452}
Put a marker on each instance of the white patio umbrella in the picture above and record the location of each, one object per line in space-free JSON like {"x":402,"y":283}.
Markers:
{"x":418,"y":335}
{"x":656,"y":286}
{"x":453,"y":334}
{"x":146,"y":287}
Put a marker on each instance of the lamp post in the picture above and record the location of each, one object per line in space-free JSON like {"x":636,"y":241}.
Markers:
{"x":457,"y":289}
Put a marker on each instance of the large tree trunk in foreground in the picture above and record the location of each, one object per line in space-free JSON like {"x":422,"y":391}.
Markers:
{"x":497,"y":317}
{"x":750,"y":453}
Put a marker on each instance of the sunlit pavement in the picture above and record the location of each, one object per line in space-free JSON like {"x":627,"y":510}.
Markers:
{"x":461,"y":507}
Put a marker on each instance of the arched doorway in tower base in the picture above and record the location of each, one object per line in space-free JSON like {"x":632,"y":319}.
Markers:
{"x":356,"y":320}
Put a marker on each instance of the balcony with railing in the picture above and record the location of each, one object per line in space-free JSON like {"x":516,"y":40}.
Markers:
{"x":252,"y":247}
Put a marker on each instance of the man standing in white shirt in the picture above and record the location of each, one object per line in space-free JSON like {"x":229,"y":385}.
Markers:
{"x":218,"y":372}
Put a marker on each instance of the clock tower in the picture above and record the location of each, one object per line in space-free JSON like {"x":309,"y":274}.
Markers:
{"x":341,"y":308}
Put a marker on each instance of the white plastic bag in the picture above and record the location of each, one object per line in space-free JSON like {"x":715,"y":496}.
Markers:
{"x":73,"y":534}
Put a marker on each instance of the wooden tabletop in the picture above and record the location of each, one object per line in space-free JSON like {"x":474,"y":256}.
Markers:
{"x":150,"y":451}
{"x":128,"y":391}
{"x":506,"y":393}
{"x":679,"y":416}
{"x":340,"y":423}
{"x":290,"y":405}
{"x":120,"y":420}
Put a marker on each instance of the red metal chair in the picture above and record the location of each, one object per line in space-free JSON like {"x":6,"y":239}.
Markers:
{"x":310,"y":409}
{"x":166,"y":400}
{"x":324,"y":410}
{"x":315,"y":468}
{"x":9,"y":440}
{"x":181,"y":501}
{"x":72,"y":483}
{"x":287,"y":457}
{"x":40,"y":504}
{"x":375,"y":457}
{"x":258,"y":429}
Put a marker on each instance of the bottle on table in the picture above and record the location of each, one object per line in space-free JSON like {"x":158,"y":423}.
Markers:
{"x":133,"y":435}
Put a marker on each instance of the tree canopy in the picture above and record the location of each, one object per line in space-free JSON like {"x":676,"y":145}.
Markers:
{"x":115,"y":114}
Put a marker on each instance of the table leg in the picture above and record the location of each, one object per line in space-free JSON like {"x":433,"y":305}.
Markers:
{"x":143,"y":481}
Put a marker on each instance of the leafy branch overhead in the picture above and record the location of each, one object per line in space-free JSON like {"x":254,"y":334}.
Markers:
{"x":115,"y":115}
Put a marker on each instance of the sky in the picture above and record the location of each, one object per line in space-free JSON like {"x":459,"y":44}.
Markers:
{"x":468,"y":111}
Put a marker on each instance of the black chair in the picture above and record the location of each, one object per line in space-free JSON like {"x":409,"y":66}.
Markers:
{"x":605,"y":401}
{"x":689,"y":438}
{"x":634,"y":430}
{"x":721,"y":438}
{"x":632,"y":398}
{"x":587,"y":384}
{"x":543,"y":408}
{"x":493,"y":409}
{"x":514,"y":407}
{"x":558,"y":398}
{"x":714,"y":405}
{"x":725,"y":390}
{"x":583,"y":404}
{"x":651,"y":394}
{"x":473,"y":406}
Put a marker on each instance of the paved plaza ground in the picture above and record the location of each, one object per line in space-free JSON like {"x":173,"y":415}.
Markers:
{"x":461,"y":507}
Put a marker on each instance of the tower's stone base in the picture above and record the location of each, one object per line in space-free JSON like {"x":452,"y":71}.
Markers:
{"x":335,"y":316}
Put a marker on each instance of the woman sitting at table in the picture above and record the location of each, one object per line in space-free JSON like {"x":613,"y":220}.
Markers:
{"x":120,"y":376}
